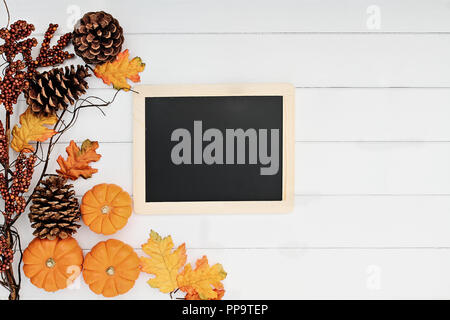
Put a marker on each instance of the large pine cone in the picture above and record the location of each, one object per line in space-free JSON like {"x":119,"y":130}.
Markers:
{"x":56,"y":89}
{"x":98,"y":37}
{"x":55,"y":210}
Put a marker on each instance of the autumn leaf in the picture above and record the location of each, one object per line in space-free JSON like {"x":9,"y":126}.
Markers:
{"x":32,"y":129}
{"x":202,"y":280}
{"x":193,"y":295}
{"x":77,"y":163}
{"x":117,"y":71}
{"x":164,"y":262}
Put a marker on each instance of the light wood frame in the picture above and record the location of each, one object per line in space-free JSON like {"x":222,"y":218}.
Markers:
{"x":194,"y":207}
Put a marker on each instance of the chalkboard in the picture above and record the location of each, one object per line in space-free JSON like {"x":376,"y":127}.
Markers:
{"x":213,"y":148}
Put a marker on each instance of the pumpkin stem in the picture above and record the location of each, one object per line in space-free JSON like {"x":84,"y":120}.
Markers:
{"x":105,"y":209}
{"x":50,"y":263}
{"x":110,"y":271}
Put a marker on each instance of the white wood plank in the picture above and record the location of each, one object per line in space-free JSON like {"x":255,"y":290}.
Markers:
{"x":306,"y":274}
{"x":372,"y":114}
{"x":372,"y":168}
{"x":357,"y":60}
{"x":321,"y":168}
{"x":316,"y":222}
{"x":163,"y":16}
{"x":343,"y":114}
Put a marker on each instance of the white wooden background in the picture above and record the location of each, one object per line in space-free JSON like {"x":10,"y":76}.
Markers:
{"x":372,"y":213}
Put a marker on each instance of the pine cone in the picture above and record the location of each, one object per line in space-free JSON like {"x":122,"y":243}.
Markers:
{"x":56,"y":89}
{"x":97,"y":37}
{"x":55,"y":211}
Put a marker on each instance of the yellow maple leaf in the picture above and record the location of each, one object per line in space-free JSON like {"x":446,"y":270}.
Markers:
{"x":32,"y":129}
{"x":117,"y":71}
{"x":164,"y":262}
{"x":202,"y":280}
{"x":77,"y":163}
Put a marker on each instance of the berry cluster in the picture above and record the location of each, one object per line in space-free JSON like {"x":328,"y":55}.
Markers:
{"x":4,"y":155}
{"x":12,"y":47}
{"x":21,"y":178}
{"x":15,"y":80}
{"x":6,"y":255}
{"x":18,"y":73}
{"x":54,"y":55}
{"x":13,"y":84}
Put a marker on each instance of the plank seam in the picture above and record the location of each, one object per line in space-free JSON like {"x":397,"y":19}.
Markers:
{"x":305,"y":248}
{"x":319,"y":87}
{"x":359,"y":195}
{"x":213,"y":33}
{"x":297,"y":141}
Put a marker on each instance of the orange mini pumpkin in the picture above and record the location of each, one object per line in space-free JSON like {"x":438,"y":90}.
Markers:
{"x":52,"y":264}
{"x":111,"y":268}
{"x":106,"y":208}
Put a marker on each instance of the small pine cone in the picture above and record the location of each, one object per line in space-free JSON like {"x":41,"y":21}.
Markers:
{"x":97,"y":37}
{"x":56,"y":89}
{"x":55,"y":210}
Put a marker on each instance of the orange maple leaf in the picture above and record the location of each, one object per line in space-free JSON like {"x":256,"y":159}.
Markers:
{"x":77,"y":163}
{"x":202,"y":280}
{"x":32,"y":129}
{"x":117,"y":71}
{"x":193,"y":295}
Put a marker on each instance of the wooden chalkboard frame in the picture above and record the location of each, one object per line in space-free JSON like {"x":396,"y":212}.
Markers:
{"x":194,"y":207}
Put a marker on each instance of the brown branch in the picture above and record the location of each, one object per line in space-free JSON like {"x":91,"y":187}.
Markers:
{"x":13,"y":286}
{"x":9,"y":280}
{"x":44,"y":169}
{"x":7,"y":134}
{"x":7,"y":12}
{"x":54,"y":140}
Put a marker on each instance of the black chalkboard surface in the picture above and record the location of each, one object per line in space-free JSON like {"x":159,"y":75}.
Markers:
{"x":213,"y":148}
{"x":166,"y":181}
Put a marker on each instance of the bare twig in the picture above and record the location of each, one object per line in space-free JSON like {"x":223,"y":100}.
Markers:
{"x":79,"y":105}
{"x":11,"y":278}
{"x":7,"y":11}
